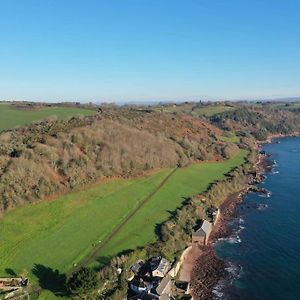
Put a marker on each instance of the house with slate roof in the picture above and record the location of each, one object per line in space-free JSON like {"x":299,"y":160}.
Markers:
{"x":201,"y":235}
{"x":159,"y":266}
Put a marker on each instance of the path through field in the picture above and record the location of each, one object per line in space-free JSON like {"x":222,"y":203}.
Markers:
{"x":93,"y":225}
{"x":115,"y":231}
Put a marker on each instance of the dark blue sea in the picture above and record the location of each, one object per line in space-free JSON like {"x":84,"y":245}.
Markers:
{"x":263,"y":254}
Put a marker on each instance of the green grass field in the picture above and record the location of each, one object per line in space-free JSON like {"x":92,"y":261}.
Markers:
{"x":184,"y":183}
{"x":60,"y":233}
{"x":231,"y":139}
{"x":10,"y":118}
{"x":211,"y":110}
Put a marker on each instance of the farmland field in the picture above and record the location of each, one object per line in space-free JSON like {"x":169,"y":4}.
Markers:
{"x":184,"y":183}
{"x":211,"y":110}
{"x":10,"y":118}
{"x":231,"y":139}
{"x":60,"y":233}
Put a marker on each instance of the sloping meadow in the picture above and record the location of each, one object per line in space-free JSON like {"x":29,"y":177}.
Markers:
{"x":59,"y":234}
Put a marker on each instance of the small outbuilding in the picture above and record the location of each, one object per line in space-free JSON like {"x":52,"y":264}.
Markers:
{"x":201,"y":235}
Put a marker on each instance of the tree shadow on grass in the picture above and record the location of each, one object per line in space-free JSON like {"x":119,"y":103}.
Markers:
{"x":51,"y":280}
{"x":10,"y":272}
{"x":172,"y":216}
{"x":103,"y":261}
{"x":106,"y":261}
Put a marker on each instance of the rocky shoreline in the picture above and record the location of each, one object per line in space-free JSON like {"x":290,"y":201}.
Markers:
{"x":209,"y":269}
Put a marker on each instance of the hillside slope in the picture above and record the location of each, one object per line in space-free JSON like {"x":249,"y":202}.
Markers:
{"x":55,"y":156}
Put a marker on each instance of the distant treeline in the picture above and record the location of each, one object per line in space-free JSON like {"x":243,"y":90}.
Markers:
{"x":27,"y":105}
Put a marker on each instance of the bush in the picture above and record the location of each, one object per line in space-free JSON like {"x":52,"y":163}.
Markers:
{"x":83,"y":282}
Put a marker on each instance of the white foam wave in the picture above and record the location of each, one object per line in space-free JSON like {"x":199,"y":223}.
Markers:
{"x":218,"y":289}
{"x":264,"y":195}
{"x":231,"y":240}
{"x":262,"y":206}
{"x":234,"y":270}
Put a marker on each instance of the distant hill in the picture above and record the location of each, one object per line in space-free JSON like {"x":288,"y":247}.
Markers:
{"x":286,"y":99}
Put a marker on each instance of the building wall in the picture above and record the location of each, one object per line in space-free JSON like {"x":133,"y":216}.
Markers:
{"x":157,"y":273}
{"x":207,"y":237}
{"x":217,"y":217}
{"x":198,"y":240}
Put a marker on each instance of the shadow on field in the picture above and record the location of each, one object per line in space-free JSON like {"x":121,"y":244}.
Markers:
{"x":104,"y":260}
{"x":10,"y":272}
{"x":50,"y":279}
{"x":172,"y":215}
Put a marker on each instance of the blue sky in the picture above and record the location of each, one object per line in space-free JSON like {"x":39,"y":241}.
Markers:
{"x":93,"y":50}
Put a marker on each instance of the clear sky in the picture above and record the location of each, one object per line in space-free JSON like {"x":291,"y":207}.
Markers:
{"x":120,"y":50}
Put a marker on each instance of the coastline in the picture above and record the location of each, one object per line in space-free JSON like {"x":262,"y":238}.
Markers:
{"x":208,"y":269}
{"x":277,"y":136}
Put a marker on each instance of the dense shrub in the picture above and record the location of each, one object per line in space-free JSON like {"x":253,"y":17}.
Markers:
{"x":259,"y":121}
{"x":83,"y":283}
{"x":54,"y":156}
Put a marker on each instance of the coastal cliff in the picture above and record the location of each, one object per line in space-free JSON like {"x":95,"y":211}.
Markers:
{"x":208,"y":269}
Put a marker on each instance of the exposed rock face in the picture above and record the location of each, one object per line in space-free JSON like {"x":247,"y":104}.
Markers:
{"x":206,"y":273}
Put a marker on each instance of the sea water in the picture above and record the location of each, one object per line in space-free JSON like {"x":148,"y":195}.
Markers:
{"x":263,"y":254}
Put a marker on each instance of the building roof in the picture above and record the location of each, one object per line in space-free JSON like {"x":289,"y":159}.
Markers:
{"x":163,"y":285}
{"x":164,"y":297}
{"x":160,"y":264}
{"x":137,"y":284}
{"x":204,"y":230}
{"x":137,"y":266}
